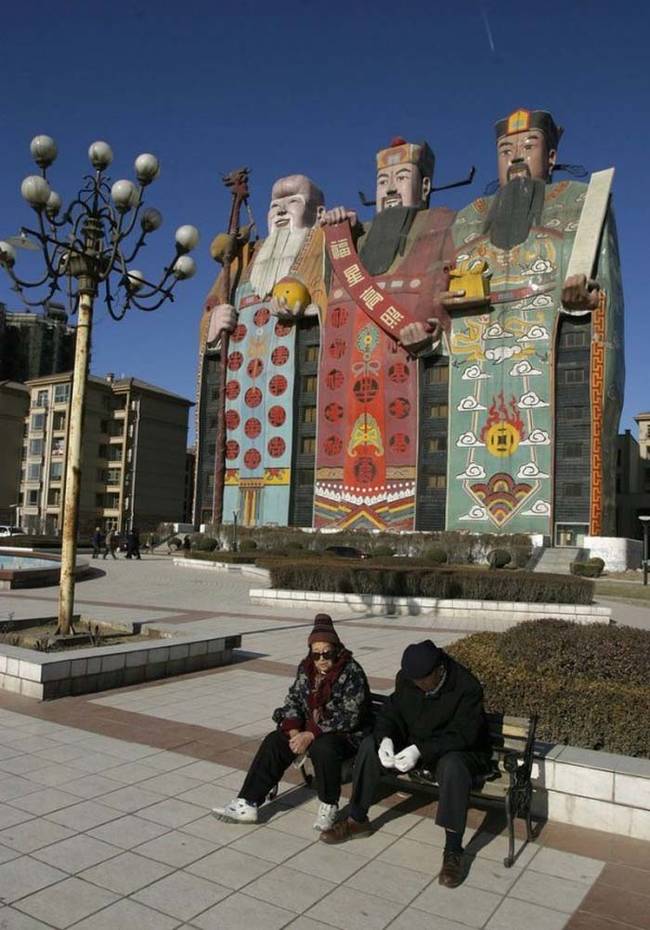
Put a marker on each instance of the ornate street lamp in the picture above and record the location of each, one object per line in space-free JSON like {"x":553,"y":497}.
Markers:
{"x":86,"y":254}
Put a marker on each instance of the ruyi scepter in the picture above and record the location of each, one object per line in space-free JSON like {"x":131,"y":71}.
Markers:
{"x":237,"y":183}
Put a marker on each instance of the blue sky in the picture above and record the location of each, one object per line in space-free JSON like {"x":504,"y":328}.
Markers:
{"x":315,"y":88}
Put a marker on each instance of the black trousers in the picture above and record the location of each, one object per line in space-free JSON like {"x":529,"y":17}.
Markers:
{"x":273,"y":758}
{"x":455,"y":773}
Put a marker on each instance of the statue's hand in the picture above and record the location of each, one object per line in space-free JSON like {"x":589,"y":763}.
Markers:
{"x":418,"y":337}
{"x":338,"y":215}
{"x":580,"y":294}
{"x":222,"y":317}
{"x":458,"y":300}
{"x":284,"y":313}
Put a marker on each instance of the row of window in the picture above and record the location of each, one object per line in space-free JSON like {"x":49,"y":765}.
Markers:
{"x":61,"y":395}
{"x":35,"y":470}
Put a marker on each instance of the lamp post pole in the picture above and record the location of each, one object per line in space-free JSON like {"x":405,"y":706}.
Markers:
{"x":86,"y":246}
{"x":234,"y":531}
{"x":645,"y":521}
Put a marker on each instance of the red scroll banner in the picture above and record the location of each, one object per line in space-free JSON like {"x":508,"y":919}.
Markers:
{"x":360,"y":285}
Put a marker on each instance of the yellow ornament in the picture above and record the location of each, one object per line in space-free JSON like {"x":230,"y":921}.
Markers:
{"x":294,"y":292}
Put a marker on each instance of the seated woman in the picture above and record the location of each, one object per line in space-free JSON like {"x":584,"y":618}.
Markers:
{"x":326,"y":715}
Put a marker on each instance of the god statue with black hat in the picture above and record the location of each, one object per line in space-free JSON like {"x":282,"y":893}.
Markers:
{"x":325,"y":715}
{"x":433,"y":719}
{"x":535,"y":289}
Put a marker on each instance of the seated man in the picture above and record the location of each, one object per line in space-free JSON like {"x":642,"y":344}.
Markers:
{"x":434,"y":720}
{"x":325,"y":715}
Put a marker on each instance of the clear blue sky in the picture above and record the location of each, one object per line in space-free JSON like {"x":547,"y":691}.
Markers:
{"x":316,"y":88}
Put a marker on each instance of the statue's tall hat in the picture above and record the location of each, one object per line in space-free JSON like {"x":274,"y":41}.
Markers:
{"x":401,"y":152}
{"x":522,"y":120}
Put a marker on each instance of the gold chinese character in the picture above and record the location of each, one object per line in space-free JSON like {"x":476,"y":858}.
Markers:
{"x":340,"y":248}
{"x":371,"y":297}
{"x":391,"y":317}
{"x":353,"y":274}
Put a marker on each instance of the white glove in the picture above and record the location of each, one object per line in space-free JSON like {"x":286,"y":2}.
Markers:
{"x":386,"y":753}
{"x":406,"y":759}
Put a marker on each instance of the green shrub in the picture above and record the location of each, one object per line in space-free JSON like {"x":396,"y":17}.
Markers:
{"x":294,"y":545}
{"x":591,"y":568}
{"x":499,"y":558}
{"x":520,"y":556}
{"x":201,"y":543}
{"x":247,"y":545}
{"x":435,"y":554}
{"x":588,"y":684}
{"x":382,"y":552}
{"x":236,"y":558}
{"x":403,"y":580}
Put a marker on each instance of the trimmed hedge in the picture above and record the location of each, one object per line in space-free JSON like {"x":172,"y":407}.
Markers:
{"x":499,"y":558}
{"x":237,"y":558}
{"x":588,"y":684}
{"x":400,"y":578}
{"x":591,"y":568}
{"x":199,"y":542}
{"x":436,"y":554}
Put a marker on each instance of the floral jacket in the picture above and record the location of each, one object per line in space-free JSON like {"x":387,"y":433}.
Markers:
{"x":347,"y":711}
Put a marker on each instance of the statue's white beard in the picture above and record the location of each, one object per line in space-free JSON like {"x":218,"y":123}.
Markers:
{"x":275,"y":258}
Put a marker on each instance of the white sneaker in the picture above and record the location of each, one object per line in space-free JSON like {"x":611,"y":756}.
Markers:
{"x":237,"y":811}
{"x":326,"y":818}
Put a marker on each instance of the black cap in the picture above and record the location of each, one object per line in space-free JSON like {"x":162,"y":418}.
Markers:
{"x":420,"y":659}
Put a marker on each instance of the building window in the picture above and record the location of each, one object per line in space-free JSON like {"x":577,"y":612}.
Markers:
{"x":574,"y":375}
{"x":573,"y":413}
{"x":34,"y":471}
{"x":573,"y":450}
{"x":58,"y":421}
{"x":61,"y":393}
{"x":212,"y":449}
{"x":38,"y":421}
{"x":103,"y":426}
{"x":439,"y":374}
{"x":35,"y":446}
{"x":309,"y":384}
{"x":437,"y":482}
{"x":54,"y":497}
{"x":114,"y":454}
{"x":99,"y":500}
{"x":41,"y":398}
{"x":437,"y":444}
{"x":309,"y":414}
{"x":56,"y":471}
{"x":308,"y":444}
{"x":438,"y":410}
{"x":113,"y":476}
{"x":58,"y":447}
{"x":311,"y":353}
{"x":574,"y":339}
{"x":305,"y":477}
{"x":214,"y":394}
{"x":572,"y":490}
{"x":33,"y":497}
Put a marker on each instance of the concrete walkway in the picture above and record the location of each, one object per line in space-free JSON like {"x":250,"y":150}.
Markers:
{"x":105,"y":821}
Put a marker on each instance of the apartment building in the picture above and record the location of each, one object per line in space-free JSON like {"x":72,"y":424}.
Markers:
{"x":133,"y":454}
{"x":35,"y":344}
{"x":14,"y":404}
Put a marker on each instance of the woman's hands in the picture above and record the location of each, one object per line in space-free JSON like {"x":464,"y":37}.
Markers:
{"x":300,"y":742}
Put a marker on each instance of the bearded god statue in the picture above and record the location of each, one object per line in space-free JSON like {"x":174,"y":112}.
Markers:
{"x":381,"y":313}
{"x":282,"y":281}
{"x":536,"y":374}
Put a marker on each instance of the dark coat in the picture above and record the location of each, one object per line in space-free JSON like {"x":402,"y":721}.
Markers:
{"x":452,"y":720}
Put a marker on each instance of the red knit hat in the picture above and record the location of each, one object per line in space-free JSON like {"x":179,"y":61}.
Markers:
{"x":323,"y":631}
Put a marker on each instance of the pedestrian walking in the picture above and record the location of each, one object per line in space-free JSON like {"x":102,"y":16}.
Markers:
{"x":111,"y":543}
{"x":186,"y":544}
{"x":133,"y":544}
{"x":97,"y":540}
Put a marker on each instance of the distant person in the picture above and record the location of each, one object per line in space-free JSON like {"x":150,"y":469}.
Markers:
{"x":97,"y":540}
{"x":111,"y":543}
{"x":133,"y":544}
{"x":325,"y":716}
{"x":187,"y":545}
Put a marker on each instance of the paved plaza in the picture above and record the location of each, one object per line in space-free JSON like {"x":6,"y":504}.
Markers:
{"x":105,"y":820}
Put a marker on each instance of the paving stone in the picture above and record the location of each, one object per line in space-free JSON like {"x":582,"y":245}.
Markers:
{"x":84,"y":816}
{"x":411,"y":854}
{"x":289,"y":889}
{"x":230,"y":867}
{"x":467,"y":905}
{"x":329,"y":862}
{"x":217,"y":831}
{"x":66,"y":903}
{"x":128,"y":831}
{"x":350,"y":909}
{"x":34,"y":834}
{"x":91,"y":786}
{"x":127,"y":914}
{"x":172,"y":812}
{"x":171,"y":784}
{"x":11,"y":919}
{"x":10,"y":815}
{"x":130,"y":799}
{"x":182,"y":895}
{"x":240,"y":912}
{"x":6,"y":854}
{"x":76,"y":853}
{"x":45,"y":800}
{"x":412,"y":919}
{"x":54,"y":775}
{"x":515,"y":915}
{"x":176,"y":848}
{"x":276,"y":846}
{"x":23,"y":876}
{"x":126,"y":873}
{"x":567,"y":865}
{"x":386,"y":880}
{"x":538,"y":888}
{"x":11,"y":786}
{"x":490,"y":875}
{"x":129,"y":773}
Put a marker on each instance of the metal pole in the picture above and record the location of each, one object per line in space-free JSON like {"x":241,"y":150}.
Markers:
{"x":645,"y":552}
{"x":234,"y":531}
{"x":73,"y":464}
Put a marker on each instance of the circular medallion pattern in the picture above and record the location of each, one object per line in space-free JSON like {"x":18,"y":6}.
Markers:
{"x":232,"y":390}
{"x":232,"y":450}
{"x":365,"y":470}
{"x":333,"y":412}
{"x":365,"y":388}
{"x":252,"y":458}
{"x":255,"y":367}
{"x":262,"y":316}
{"x":232,"y":420}
{"x":277,"y":415}
{"x":398,"y":373}
{"x":280,"y":355}
{"x":238,"y":333}
{"x":399,"y":408}
{"x":332,"y":445}
{"x":277,"y":385}
{"x":235,"y":361}
{"x":334,"y":379}
{"x":276,"y":447}
{"x":252,"y":427}
{"x":253,"y":397}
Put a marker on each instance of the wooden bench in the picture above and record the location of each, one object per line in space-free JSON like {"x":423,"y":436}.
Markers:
{"x":509,"y":782}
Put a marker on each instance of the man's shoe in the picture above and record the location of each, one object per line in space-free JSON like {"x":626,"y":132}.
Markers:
{"x":347,"y":829}
{"x":237,"y":811}
{"x":451,"y":873}
{"x":326,"y":817}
